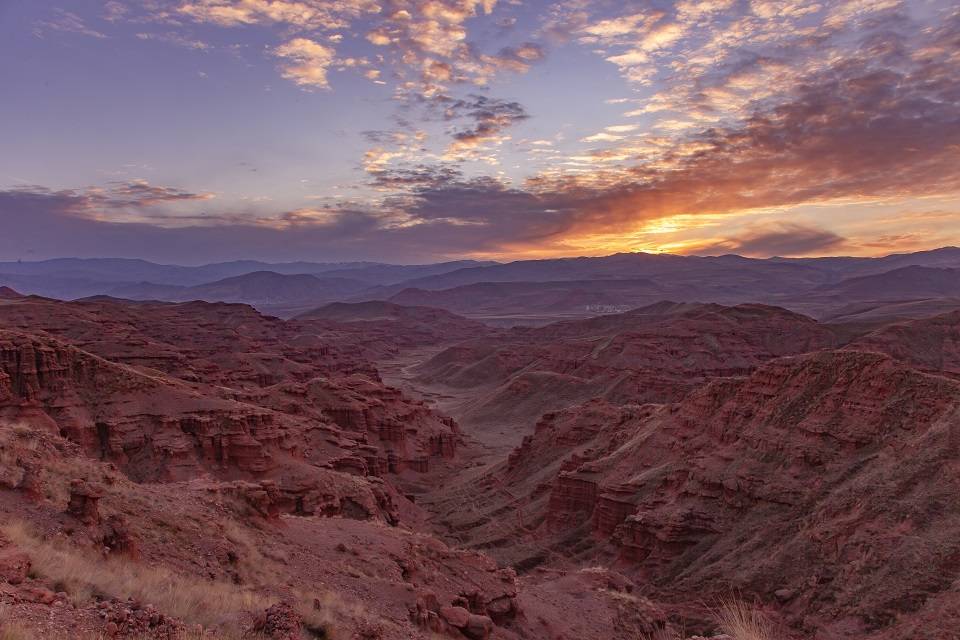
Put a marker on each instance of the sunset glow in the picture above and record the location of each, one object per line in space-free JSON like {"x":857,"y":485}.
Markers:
{"x":418,"y":130}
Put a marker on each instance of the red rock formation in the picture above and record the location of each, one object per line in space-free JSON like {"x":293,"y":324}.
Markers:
{"x":847,"y":443}
{"x":648,"y":355}
{"x":249,"y":450}
{"x":83,"y":502}
{"x":210,"y":408}
{"x":930,"y":344}
{"x":572,"y":499}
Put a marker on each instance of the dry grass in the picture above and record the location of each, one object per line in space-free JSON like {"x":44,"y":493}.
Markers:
{"x":215,"y":605}
{"x":84,"y":576}
{"x":18,"y":632}
{"x":13,"y":631}
{"x":743,"y":622}
{"x":734,"y":618}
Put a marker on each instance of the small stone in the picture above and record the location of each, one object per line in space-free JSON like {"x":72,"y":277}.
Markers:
{"x":783,"y":595}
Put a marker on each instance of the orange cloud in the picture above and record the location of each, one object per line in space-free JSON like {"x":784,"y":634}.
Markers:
{"x":306,"y":62}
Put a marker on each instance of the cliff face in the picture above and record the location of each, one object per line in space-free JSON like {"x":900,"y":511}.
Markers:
{"x":817,"y":476}
{"x":172,"y":391}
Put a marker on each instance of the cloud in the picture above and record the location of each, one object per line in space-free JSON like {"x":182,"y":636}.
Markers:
{"x":868,"y":126}
{"x":305,"y":62}
{"x":425,"y":41}
{"x":418,"y":176}
{"x":303,"y":14}
{"x":140,"y":193}
{"x":116,"y":200}
{"x":613,"y":27}
{"x":67,"y":22}
{"x":877,"y":119}
{"x":757,"y":107}
{"x":777,"y":239}
{"x":603,"y":136}
{"x":175,"y":39}
{"x":429,"y":45}
{"x":114,"y":10}
{"x":41,"y":224}
{"x":490,"y":118}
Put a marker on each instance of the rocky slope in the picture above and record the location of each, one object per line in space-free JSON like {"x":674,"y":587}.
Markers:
{"x":664,"y":459}
{"x":164,"y":466}
{"x":654,"y":354}
{"x":87,"y":553}
{"x":930,"y":344}
{"x":816,"y":484}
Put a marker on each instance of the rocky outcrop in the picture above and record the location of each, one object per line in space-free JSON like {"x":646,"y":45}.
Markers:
{"x":84,"y":498}
{"x":476,"y":612}
{"x":172,"y":391}
{"x":572,"y":499}
{"x":315,"y":493}
{"x":612,"y":508}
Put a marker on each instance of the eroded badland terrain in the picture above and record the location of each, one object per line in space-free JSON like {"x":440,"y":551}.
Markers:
{"x":381,"y":471}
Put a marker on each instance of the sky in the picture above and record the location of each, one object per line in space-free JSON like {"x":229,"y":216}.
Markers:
{"x":413,"y":131}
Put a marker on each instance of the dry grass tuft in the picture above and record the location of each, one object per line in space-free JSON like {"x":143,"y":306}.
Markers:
{"x":663,"y":634}
{"x":743,"y":622}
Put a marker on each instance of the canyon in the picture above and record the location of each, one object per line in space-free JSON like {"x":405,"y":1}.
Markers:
{"x":389,"y":469}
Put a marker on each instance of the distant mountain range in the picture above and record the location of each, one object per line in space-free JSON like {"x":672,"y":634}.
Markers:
{"x":523,"y":291}
{"x":259,"y":283}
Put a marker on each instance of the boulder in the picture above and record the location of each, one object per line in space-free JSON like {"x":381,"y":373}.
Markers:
{"x":478,"y":627}
{"x":457,"y":617}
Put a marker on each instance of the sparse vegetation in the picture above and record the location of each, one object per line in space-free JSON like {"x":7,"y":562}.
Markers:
{"x":84,"y":577}
{"x":210,"y":604}
{"x":13,"y":631}
{"x":741,"y":621}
